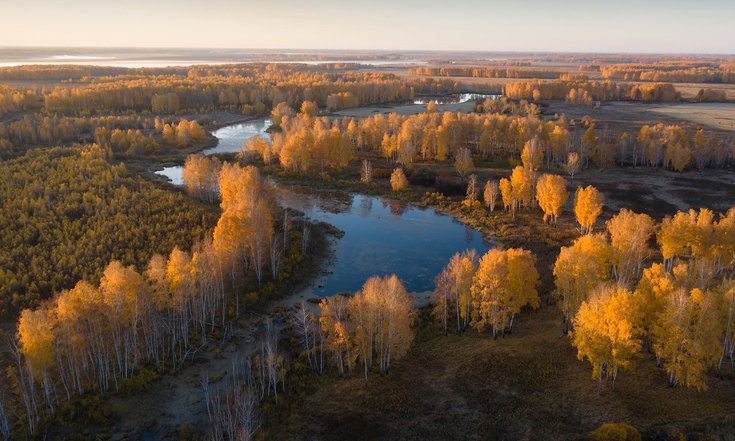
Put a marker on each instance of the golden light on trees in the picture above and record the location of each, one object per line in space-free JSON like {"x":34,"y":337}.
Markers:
{"x":578,"y":270}
{"x":504,"y":283}
{"x":687,"y":336}
{"x":381,"y":316}
{"x":521,"y":180}
{"x":398,"y":180}
{"x":629,"y":234}
{"x":588,"y":204}
{"x":605,"y":331}
{"x":201,"y":175}
{"x":552,"y":195}
{"x":452,"y":295}
{"x":490,"y":194}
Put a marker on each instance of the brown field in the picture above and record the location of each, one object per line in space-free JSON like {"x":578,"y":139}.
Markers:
{"x":688,"y":90}
{"x":403,"y":109}
{"x":716,"y":115}
{"x":528,"y":385}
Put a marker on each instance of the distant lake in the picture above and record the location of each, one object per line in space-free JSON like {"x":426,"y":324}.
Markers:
{"x":141,"y":57}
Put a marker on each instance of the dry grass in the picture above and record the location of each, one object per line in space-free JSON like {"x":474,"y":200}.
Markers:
{"x":528,"y":385}
{"x":716,"y":115}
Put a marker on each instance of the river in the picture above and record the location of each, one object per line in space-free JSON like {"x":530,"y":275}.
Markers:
{"x":381,"y":236}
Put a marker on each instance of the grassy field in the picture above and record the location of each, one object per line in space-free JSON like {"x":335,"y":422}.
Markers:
{"x":528,"y":385}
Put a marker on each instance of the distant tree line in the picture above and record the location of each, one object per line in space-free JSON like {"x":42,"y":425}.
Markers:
{"x":484,"y":72}
{"x":311,"y":144}
{"x":586,"y":91}
{"x":671,"y":72}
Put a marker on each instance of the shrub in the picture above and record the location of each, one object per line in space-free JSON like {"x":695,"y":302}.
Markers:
{"x":398,"y":180}
{"x":615,"y":432}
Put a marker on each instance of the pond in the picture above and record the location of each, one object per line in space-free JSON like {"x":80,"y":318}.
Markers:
{"x":381,"y":236}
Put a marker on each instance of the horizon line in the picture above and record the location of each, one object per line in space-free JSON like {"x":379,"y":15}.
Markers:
{"x":479,"y":51}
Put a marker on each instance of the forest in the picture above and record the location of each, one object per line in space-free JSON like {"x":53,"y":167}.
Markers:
{"x":607,"y":274}
{"x":68,"y":211}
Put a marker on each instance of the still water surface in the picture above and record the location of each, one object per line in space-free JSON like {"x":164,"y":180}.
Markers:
{"x":381,"y":236}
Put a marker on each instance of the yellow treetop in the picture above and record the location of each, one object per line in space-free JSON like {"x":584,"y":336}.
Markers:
{"x":579,"y":269}
{"x":552,"y":195}
{"x":605,"y":330}
{"x":588,"y":204}
{"x":398,"y":180}
{"x":504,"y":283}
{"x":629,"y":234}
{"x":36,"y":337}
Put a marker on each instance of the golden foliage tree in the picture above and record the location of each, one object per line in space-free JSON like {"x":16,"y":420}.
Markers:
{"x":606,"y":331}
{"x":36,"y":334}
{"x":490,"y":195}
{"x":506,"y":192}
{"x":687,"y":336}
{"x":381,"y":316}
{"x":552,"y":195}
{"x":504,"y":283}
{"x":629,"y":234}
{"x":398,"y":180}
{"x":201,"y":176}
{"x":588,"y":204}
{"x":452,"y":295}
{"x":578,"y":270}
{"x":521,"y":179}
{"x":309,"y":108}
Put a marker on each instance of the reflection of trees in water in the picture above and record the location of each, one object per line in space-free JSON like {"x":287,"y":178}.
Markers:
{"x":397,"y":208}
{"x":294,"y":199}
{"x":306,"y":199}
{"x":469,"y":234}
{"x":335,"y":202}
{"x":366,"y":206}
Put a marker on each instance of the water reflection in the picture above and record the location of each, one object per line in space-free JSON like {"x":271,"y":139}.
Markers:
{"x":453,"y":98}
{"x":174,"y":174}
{"x":231,"y":138}
{"x":381,"y":237}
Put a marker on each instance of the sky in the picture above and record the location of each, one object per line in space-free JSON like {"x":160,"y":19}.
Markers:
{"x":704,"y":26}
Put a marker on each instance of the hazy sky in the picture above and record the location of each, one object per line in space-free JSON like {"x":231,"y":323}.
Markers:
{"x":529,"y":25}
